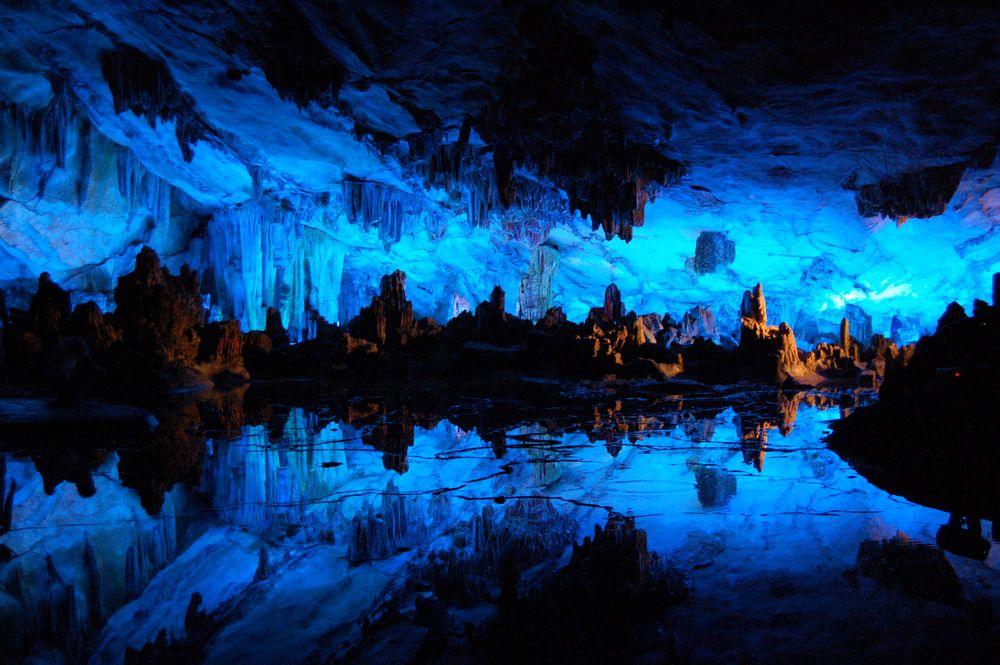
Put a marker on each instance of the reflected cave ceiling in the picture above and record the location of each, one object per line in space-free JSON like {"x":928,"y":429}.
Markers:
{"x":295,"y":150}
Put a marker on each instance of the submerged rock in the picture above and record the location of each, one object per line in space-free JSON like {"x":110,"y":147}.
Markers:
{"x":911,"y":568}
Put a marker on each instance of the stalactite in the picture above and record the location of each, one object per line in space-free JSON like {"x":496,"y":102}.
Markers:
{"x":264,"y":486}
{"x":528,"y":532}
{"x":146,"y":87}
{"x":142,"y":189}
{"x":275,"y":254}
{"x":534,"y":296}
{"x":392,"y":212}
{"x":39,"y":141}
{"x":133,"y":586}
{"x":379,"y":532}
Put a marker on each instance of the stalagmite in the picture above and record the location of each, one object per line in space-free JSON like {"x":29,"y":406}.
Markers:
{"x":614,"y":310}
{"x":845,"y":335}
{"x":388,"y":321}
{"x":160,"y":311}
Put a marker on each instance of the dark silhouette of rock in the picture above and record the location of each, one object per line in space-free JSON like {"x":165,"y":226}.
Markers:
{"x":912,"y":568}
{"x":388,"y":321}
{"x":263,"y":565}
{"x":220,"y":352}
{"x":158,"y":313}
{"x":257,"y":347}
{"x":491,"y":319}
{"x":589,"y":610}
{"x":275,"y":329}
{"x":953,"y":313}
{"x":49,"y":310}
{"x":64,"y":367}
{"x":97,"y":330}
{"x":962,"y":351}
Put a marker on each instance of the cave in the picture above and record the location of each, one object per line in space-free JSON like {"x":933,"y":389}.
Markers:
{"x":427,"y":331}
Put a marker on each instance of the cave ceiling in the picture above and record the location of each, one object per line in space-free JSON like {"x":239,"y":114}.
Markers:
{"x":852,"y":110}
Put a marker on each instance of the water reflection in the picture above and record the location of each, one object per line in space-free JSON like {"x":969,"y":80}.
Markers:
{"x":266,"y":507}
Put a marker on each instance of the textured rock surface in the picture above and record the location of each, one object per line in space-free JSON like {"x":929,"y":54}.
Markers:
{"x":713,"y":252}
{"x":292,"y":161}
{"x":159,"y":311}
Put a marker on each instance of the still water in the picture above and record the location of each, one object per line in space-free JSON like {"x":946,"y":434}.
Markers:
{"x":302,"y":524}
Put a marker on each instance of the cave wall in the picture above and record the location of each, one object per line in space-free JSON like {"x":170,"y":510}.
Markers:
{"x":214,"y":136}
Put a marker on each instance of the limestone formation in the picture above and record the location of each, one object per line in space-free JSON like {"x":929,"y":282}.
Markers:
{"x":158,"y":312}
{"x":49,"y":311}
{"x":861,"y":325}
{"x":380,"y":531}
{"x":614,"y":310}
{"x":220,"y":352}
{"x":94,"y":328}
{"x":275,"y":329}
{"x":770,"y":351}
{"x":713,"y":251}
{"x":388,"y":321}
{"x":753,"y":306}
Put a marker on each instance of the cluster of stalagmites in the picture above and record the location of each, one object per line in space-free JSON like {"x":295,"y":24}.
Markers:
{"x":158,"y":336}
{"x":611,"y":342}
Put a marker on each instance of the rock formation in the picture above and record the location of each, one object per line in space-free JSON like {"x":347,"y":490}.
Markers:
{"x":49,"y":311}
{"x":713,"y":252}
{"x":388,"y":321}
{"x":380,"y":531}
{"x":614,"y":310}
{"x":221,"y":350}
{"x":159,"y":313}
{"x":770,"y":351}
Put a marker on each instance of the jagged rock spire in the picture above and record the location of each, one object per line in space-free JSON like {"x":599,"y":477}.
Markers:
{"x":614,"y":310}
{"x":753,"y":306}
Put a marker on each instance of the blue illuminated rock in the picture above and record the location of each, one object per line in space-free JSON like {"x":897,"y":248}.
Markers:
{"x":713,"y":252}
